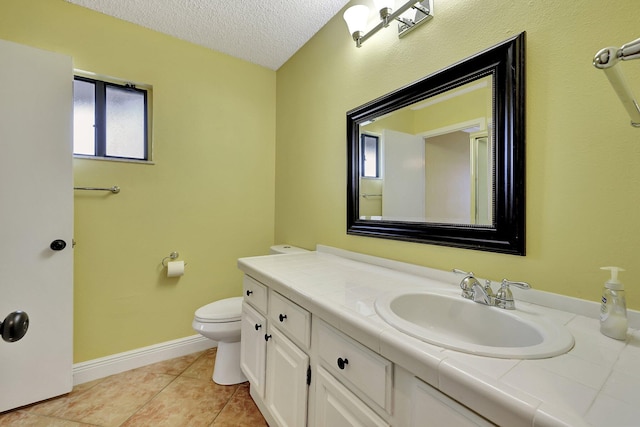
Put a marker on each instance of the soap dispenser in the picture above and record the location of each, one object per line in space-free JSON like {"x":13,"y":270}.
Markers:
{"x":613,"y":311}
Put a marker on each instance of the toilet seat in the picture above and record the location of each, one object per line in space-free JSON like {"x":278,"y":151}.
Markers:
{"x":222,"y":311}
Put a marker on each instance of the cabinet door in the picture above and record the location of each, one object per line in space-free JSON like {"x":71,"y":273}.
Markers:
{"x":253,"y":347}
{"x":432,"y":408}
{"x":287,"y":390}
{"x":336,"y":406}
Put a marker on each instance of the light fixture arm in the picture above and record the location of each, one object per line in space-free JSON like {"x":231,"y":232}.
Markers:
{"x":605,"y":60}
{"x":386,"y":16}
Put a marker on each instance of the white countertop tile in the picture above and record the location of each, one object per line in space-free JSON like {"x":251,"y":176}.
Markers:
{"x":607,"y":411}
{"x":549,"y":386}
{"x":624,"y":387}
{"x":573,"y":368}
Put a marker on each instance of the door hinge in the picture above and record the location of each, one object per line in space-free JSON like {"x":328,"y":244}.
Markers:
{"x":309,"y":375}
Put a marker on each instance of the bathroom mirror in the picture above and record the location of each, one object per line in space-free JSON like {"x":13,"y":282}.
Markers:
{"x":441,"y":161}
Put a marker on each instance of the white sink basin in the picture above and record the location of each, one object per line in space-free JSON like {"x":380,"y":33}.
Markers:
{"x":448,"y":320}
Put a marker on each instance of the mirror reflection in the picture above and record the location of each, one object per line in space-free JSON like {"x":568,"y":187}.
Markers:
{"x":431,"y":161}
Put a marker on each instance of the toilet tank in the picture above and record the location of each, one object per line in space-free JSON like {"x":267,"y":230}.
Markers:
{"x":285,"y":249}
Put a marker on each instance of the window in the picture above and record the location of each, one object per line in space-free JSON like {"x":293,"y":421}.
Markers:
{"x":110,"y":119}
{"x":370,"y":149}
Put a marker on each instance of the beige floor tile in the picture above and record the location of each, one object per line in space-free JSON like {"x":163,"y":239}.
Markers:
{"x":48,"y":407}
{"x":174,"y":393}
{"x":202,"y":368}
{"x":185,"y":402}
{"x":113,"y":400}
{"x":173,"y":366}
{"x":26,"y":419}
{"x":241,"y":411}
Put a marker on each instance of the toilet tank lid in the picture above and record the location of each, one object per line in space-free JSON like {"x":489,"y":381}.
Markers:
{"x":286,"y":249}
{"x":224,"y":310}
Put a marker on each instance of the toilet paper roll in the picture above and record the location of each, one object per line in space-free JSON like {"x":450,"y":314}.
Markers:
{"x":175,"y":268}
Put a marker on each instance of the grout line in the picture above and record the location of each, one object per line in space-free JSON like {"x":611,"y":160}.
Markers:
{"x":225,"y":405}
{"x":175,"y":377}
{"x":151,"y":398}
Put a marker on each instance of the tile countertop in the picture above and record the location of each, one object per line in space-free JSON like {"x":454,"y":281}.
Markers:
{"x":597,"y":383}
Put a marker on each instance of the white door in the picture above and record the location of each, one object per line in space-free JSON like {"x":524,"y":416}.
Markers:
{"x":287,"y":390}
{"x":403,"y":185}
{"x":36,"y":209}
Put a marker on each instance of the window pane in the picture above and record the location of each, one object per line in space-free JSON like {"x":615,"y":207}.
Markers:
{"x":370,"y":156}
{"x":125,"y":123}
{"x":84,"y":116}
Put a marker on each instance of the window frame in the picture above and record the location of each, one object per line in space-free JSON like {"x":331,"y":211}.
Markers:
{"x":363,"y":137}
{"x":100,"y":139}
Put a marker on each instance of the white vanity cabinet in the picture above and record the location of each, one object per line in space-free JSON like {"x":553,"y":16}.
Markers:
{"x":275,"y":340}
{"x":306,"y":372}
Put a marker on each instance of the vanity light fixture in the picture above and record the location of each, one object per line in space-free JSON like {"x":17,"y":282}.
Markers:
{"x":410,"y":15}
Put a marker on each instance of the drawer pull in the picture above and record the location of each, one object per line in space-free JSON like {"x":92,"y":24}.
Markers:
{"x":249,"y":293}
{"x":258,"y":326}
{"x":342,"y":362}
{"x":282,"y":317}
{"x":267,"y":337}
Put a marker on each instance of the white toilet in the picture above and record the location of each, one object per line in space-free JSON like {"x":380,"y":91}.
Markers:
{"x":221,"y":321}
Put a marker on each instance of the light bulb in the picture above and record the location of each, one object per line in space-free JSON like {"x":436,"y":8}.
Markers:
{"x":356,"y":18}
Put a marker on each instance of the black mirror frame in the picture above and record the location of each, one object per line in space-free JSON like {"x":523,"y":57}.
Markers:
{"x":505,"y":62}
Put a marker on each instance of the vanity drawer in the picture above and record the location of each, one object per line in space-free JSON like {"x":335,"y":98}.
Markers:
{"x":365,"y":370}
{"x":255,"y":293}
{"x":291,"y":319}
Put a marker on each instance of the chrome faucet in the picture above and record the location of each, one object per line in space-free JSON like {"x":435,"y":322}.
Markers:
{"x":504,"y":297}
{"x":473,"y":290}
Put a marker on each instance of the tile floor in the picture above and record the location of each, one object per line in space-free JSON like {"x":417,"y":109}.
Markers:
{"x":173,"y":393}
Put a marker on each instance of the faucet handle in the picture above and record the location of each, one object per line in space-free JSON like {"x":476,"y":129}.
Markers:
{"x":504,"y":296}
{"x":458,"y":271}
{"x":521,"y":285}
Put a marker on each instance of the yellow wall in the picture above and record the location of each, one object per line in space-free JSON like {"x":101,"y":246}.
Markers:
{"x":209,"y":196}
{"x":583,"y":179}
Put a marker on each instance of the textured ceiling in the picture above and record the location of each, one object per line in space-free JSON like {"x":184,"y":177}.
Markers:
{"x":265,"y":32}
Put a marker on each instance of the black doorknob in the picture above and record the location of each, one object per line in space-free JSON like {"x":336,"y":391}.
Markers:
{"x":342,"y":362}
{"x":282,"y":317}
{"x":267,"y":337}
{"x":249,"y":293}
{"x":258,"y":326}
{"x":14,"y":326}
{"x":58,"y":245}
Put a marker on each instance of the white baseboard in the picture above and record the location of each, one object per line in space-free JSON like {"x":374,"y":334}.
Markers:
{"x":103,"y":367}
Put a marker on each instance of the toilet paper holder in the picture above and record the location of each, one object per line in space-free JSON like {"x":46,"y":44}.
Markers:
{"x":172,"y":256}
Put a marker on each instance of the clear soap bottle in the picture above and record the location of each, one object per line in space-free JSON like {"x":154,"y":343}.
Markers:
{"x":613,"y":311}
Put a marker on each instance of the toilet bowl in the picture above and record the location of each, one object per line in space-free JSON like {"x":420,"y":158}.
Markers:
{"x":220,"y":321}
